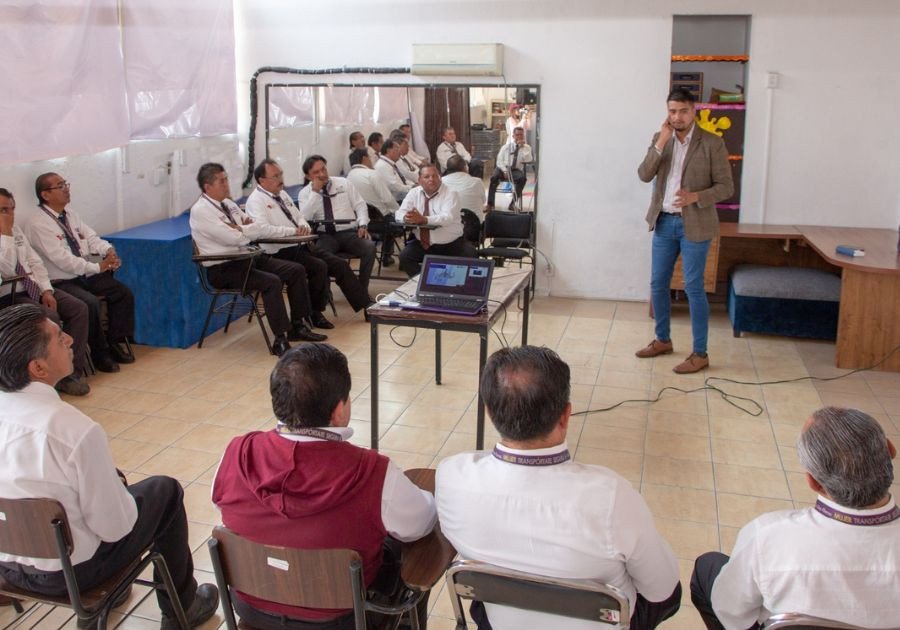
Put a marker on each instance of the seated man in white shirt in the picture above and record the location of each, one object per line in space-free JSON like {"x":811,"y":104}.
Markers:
{"x":409,"y":168}
{"x":511,"y":161}
{"x":373,"y":145}
{"x":449,"y":147}
{"x":303,"y":484}
{"x":66,"y":244}
{"x":431,"y":203}
{"x":219,"y":226}
{"x":18,"y":258}
{"x":839,"y":560}
{"x":527,"y":506}
{"x":52,"y":450}
{"x":390,"y":172}
{"x":418,"y":160}
{"x":342,"y":215}
{"x":357,"y":141}
{"x":470,"y":190}
{"x":373,"y":189}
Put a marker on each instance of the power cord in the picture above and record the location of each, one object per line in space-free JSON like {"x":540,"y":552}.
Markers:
{"x":756,"y":409}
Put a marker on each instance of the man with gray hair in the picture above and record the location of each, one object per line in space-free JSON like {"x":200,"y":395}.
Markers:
{"x":839,"y":560}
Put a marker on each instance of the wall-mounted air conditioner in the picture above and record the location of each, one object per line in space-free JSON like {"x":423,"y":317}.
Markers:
{"x":458,"y":59}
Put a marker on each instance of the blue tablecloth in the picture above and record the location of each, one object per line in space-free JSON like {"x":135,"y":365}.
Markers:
{"x":169,"y":302}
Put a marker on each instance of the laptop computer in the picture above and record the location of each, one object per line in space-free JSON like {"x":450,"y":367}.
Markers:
{"x":450,"y":284}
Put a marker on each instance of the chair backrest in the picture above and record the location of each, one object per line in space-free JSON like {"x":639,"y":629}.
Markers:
{"x":26,"y":528}
{"x":579,"y":599}
{"x":799,"y":621}
{"x":317,"y":578}
{"x":504,"y":224}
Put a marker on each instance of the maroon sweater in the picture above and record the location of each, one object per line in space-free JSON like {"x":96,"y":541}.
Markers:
{"x":307,"y":495}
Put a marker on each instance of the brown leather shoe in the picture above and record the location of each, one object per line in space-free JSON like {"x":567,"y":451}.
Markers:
{"x":694,"y":363}
{"x":654,"y":349}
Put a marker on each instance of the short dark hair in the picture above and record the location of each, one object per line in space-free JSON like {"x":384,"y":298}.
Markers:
{"x":387,"y":146}
{"x":357,"y":155}
{"x":847,"y":452}
{"x":354,"y":136}
{"x":6,"y":193}
{"x":476,"y":169}
{"x":260,"y":171}
{"x":22,"y":340}
{"x":309,"y":162}
{"x":307,"y":383}
{"x":40,"y":184}
{"x":525,"y":390}
{"x":398,"y":136}
{"x":374,"y":137}
{"x":446,"y":129}
{"x":425,"y":167}
{"x":681,"y":95}
{"x":456,"y":164}
{"x":207,"y":174}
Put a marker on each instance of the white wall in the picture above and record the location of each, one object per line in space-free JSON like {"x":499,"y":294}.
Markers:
{"x":603,"y":67}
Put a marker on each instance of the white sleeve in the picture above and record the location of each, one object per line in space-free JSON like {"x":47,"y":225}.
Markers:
{"x":207,"y":224}
{"x":43,"y":233}
{"x":443,"y":154}
{"x":503,"y":158}
{"x":525,"y":155}
{"x":383,"y":193}
{"x":409,"y":203}
{"x":95,"y":243}
{"x":447,"y":211}
{"x":257,"y":230}
{"x":8,"y":256}
{"x":310,"y":204}
{"x":462,"y":152}
{"x":735,"y":596}
{"x":36,"y":266}
{"x":358,"y":204}
{"x":408,"y":512}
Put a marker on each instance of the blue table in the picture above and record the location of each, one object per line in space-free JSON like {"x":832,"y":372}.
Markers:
{"x":169,"y":303}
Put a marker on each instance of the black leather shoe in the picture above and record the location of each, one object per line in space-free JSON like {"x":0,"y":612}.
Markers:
{"x":73,"y":386}
{"x":318,"y":320}
{"x":280,"y":346}
{"x":302,"y":332}
{"x":119,"y":355}
{"x":204,"y":606}
{"x":104,"y":362}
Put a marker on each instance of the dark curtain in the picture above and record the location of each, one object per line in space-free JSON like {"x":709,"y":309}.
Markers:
{"x":446,"y":107}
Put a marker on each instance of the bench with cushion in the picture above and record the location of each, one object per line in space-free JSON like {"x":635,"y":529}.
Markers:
{"x":790,"y":301}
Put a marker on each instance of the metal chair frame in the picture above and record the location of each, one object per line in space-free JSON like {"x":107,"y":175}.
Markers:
{"x":799,"y":621}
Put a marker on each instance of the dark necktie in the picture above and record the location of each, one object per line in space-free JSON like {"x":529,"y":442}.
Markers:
{"x":227,"y":214}
{"x":70,"y":236}
{"x":399,"y":174}
{"x":453,"y":148}
{"x":515,"y":155}
{"x":425,"y":235}
{"x":284,"y":209}
{"x":329,"y":211}
{"x":31,"y":287}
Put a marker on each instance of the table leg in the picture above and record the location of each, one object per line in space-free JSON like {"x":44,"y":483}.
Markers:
{"x":437,"y":356}
{"x":525,"y":314}
{"x":373,"y":360}
{"x":482,"y":359}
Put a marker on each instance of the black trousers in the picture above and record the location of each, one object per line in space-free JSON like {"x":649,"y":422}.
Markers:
{"x":706,"y":570}
{"x":413,"y":254}
{"x":268,"y":276}
{"x":384,"y":590}
{"x":349,"y":241}
{"x":316,"y":274}
{"x":72,"y":314}
{"x":645,"y":616}
{"x":339,"y":269}
{"x":498,"y":176}
{"x":161,"y":521}
{"x":119,"y":307}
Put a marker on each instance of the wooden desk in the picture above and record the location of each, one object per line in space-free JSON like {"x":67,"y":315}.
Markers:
{"x":506,"y":285}
{"x":426,"y":559}
{"x":869,"y":319}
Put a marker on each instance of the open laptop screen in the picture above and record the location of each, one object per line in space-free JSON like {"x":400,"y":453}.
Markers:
{"x":452,"y":276}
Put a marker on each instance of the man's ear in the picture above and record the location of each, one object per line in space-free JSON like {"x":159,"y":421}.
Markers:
{"x":891,"y":448}
{"x":564,"y":418}
{"x":340,"y":415}
{"x":37,"y":370}
{"x":814,"y":485}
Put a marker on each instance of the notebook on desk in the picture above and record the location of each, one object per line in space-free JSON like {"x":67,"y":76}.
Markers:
{"x":449,"y":284}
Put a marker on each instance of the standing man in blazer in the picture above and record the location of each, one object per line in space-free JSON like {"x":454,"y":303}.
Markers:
{"x":691,"y":172}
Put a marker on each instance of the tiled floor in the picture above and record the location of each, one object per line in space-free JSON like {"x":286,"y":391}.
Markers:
{"x":704,"y":467}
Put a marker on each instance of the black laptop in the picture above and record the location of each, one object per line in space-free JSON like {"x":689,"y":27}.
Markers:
{"x":450,"y":284}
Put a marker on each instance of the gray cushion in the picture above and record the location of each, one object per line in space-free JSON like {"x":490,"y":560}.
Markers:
{"x":793,"y":283}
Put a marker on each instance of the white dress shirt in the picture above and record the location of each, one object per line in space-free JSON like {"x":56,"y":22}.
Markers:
{"x":806,"y":562}
{"x":564,"y":520}
{"x":345,"y":165}
{"x":16,"y":249}
{"x":372,"y":188}
{"x":393,"y":177}
{"x":52,"y":450}
{"x":470,"y":191}
{"x":673,"y":181}
{"x":264,"y":209}
{"x":443,"y":212}
{"x":46,"y":235}
{"x":213,"y":234}
{"x":505,"y":156}
{"x":408,"y":168}
{"x":445,"y":152}
{"x":415,"y":158}
{"x":346,"y":204}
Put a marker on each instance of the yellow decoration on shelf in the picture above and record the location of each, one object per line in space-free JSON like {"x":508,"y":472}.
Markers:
{"x":713,"y":125}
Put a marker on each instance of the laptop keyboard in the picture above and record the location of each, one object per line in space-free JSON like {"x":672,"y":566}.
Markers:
{"x":448,"y":302}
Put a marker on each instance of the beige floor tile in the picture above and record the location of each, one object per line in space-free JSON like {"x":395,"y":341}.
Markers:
{"x":671,"y":422}
{"x":414,"y":439}
{"x":800,"y":490}
{"x":446,"y":396}
{"x":736,"y":510}
{"x":129,"y":455}
{"x":613,"y":438}
{"x":687,"y":504}
{"x":208,"y":438}
{"x":388,"y":411}
{"x":678,"y":446}
{"x":627,"y":464}
{"x":764,"y":455}
{"x":727,"y":537}
{"x":394,"y":392}
{"x":157,"y":430}
{"x":430,"y":417}
{"x":746,"y":429}
{"x":199,"y":507}
{"x":688,"y":539}
{"x":757,"y":482}
{"x":184,"y":465}
{"x":684,"y":473}
{"x":113,"y":422}
{"x":189,"y":409}
{"x":244,"y":417}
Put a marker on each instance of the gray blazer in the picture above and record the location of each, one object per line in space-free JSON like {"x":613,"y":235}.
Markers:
{"x":706,"y":172}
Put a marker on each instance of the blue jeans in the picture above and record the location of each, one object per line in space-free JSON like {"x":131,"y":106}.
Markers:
{"x":668,"y":241}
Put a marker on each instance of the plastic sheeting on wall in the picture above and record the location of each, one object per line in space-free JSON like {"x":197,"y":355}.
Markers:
{"x":64,"y":80}
{"x":180,"y":68}
{"x":291,"y":106}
